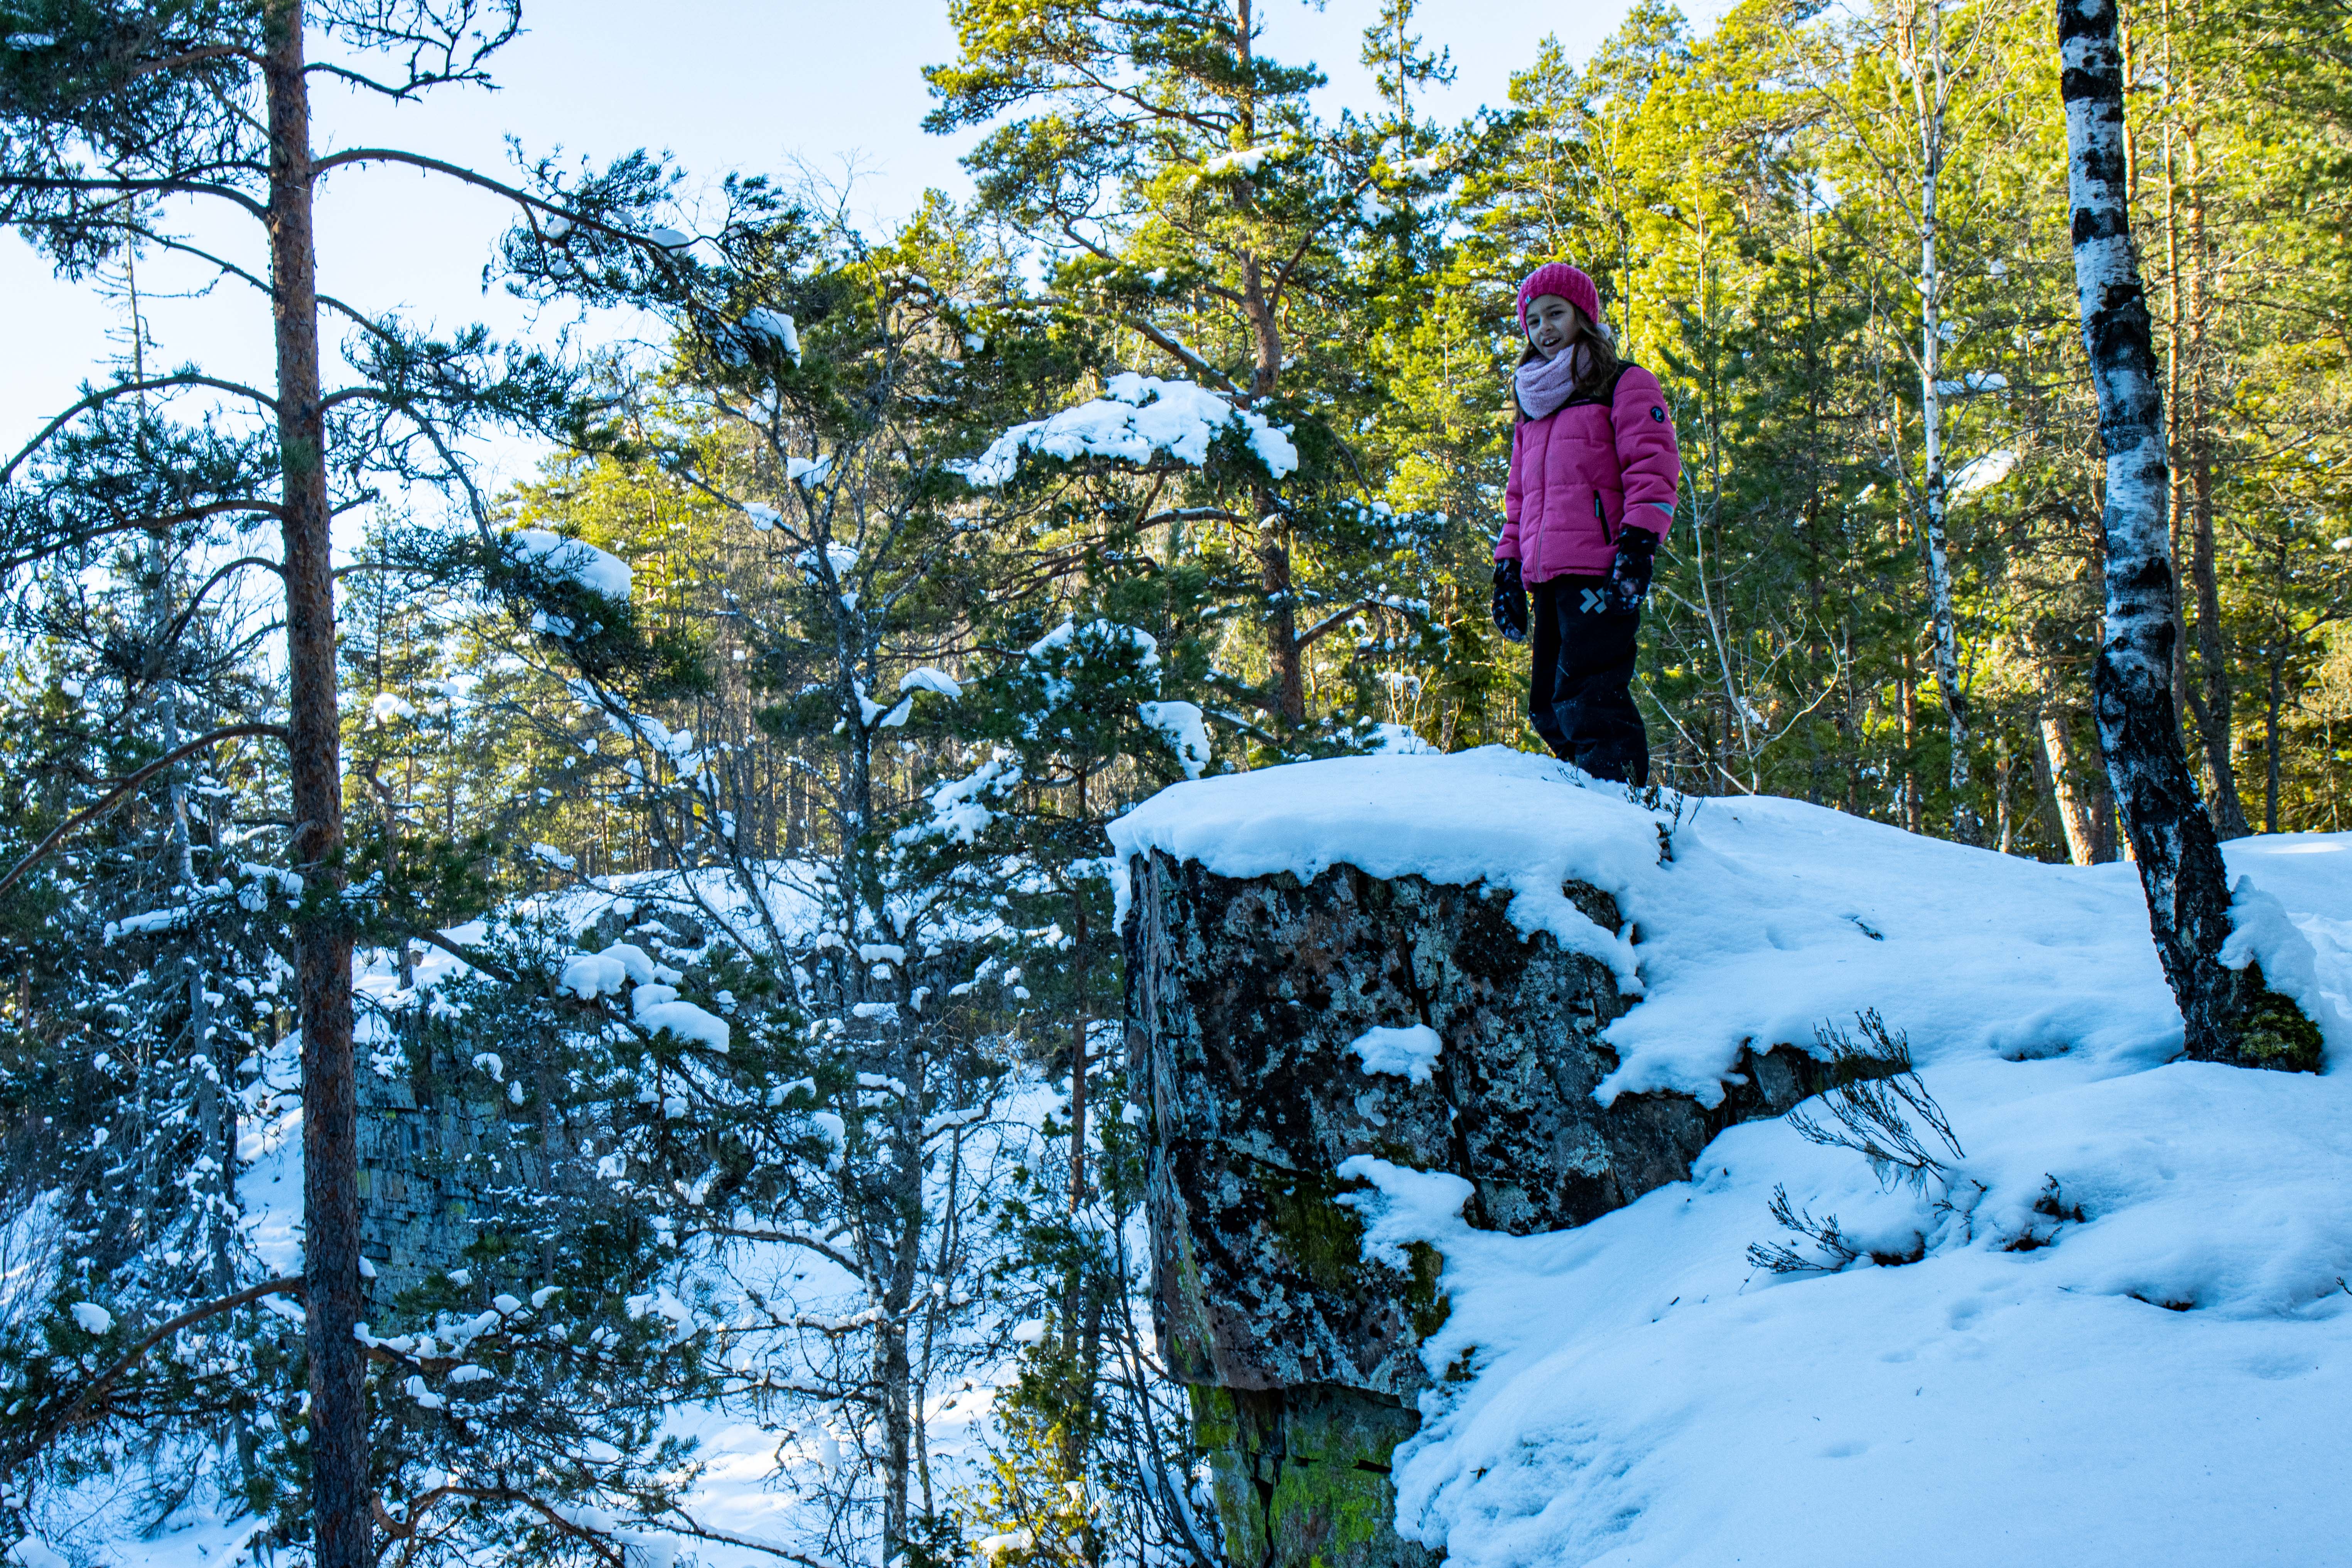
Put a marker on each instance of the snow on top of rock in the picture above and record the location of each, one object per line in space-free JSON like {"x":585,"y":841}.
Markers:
{"x":2134,"y":1270}
{"x":2139,"y":1281}
{"x":1141,"y":417}
{"x":600,"y":572}
{"x":1411,"y":1052}
{"x":1771,"y":916}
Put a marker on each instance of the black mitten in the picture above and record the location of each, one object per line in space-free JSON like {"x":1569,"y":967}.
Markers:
{"x":1510,"y":602}
{"x":1629,"y":574}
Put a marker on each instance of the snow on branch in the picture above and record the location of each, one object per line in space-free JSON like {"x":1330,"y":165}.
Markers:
{"x":575,"y":560}
{"x":1185,"y":729}
{"x":1142,"y":418}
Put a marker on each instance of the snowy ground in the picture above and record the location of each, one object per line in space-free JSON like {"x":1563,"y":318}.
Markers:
{"x":2162,"y":1380}
{"x":760,"y":1479}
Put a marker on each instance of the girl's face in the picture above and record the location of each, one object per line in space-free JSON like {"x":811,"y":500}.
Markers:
{"x":1552,"y":323}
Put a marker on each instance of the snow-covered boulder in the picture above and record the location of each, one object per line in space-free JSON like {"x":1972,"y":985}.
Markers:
{"x":1288,"y":1020}
{"x":1461,"y":1077}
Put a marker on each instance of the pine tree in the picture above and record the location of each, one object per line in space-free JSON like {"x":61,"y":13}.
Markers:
{"x":1208,"y":214}
{"x":114,"y":114}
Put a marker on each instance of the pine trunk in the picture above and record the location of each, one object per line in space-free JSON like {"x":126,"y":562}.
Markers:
{"x":2074,"y":820}
{"x":1283,"y":653}
{"x":2228,"y":1015}
{"x":2214,"y":716}
{"x":331,"y":1301}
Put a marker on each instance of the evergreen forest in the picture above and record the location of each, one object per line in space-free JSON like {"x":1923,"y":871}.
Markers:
{"x":695,"y":854}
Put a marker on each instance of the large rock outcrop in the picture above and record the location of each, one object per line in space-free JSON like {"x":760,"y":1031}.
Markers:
{"x":1244,"y":998}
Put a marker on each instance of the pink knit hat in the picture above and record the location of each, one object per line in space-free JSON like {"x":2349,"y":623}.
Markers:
{"x":1559,"y":278}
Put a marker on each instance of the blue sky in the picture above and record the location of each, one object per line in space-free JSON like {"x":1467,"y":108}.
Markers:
{"x":722,"y":84}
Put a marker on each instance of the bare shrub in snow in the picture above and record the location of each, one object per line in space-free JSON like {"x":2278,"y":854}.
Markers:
{"x":1875,"y":1094}
{"x":1779,"y":1258}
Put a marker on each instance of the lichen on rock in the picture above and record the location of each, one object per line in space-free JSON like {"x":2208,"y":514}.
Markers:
{"x":1244,"y":998}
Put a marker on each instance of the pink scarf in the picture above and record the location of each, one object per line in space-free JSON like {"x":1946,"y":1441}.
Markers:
{"x":1546,"y":384}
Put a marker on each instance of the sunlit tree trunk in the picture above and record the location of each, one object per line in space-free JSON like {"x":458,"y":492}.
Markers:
{"x":2228,"y":1015}
{"x":1931,"y":95}
{"x":2075,"y":818}
{"x":331,"y":1257}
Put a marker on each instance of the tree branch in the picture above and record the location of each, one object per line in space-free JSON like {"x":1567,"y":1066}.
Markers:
{"x":41,"y":851}
{"x":290,"y":1285}
{"x":109,"y":394}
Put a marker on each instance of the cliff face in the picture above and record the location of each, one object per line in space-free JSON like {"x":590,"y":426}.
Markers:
{"x":1244,"y":998}
{"x":432,"y":1159}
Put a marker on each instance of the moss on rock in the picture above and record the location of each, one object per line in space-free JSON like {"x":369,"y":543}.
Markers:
{"x":2276,"y":1034}
{"x":1301,"y":1476}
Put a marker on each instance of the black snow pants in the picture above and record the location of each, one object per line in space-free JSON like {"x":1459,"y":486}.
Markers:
{"x":1584,"y":664}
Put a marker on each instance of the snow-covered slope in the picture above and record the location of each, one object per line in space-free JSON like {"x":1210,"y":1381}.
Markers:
{"x":2129,"y":1338}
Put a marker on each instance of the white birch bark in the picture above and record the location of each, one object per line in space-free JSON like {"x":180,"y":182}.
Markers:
{"x":1930,"y":74}
{"x":2229,"y":1015}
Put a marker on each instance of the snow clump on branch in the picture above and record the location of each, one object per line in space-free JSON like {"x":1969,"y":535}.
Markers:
{"x":575,"y":560}
{"x":1142,"y":418}
{"x":1185,"y":729}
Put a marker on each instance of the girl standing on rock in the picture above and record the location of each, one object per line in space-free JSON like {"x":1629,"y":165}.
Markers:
{"x":1594,"y":470}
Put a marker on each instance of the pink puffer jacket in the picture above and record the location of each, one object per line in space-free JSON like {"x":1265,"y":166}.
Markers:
{"x":1574,"y":474}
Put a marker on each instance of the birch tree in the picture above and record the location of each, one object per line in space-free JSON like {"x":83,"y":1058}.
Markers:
{"x":1909,"y":103}
{"x":2229,"y":1014}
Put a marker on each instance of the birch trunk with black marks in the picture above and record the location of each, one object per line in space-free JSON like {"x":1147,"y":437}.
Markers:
{"x":2228,"y":1015}
{"x":1931,"y":99}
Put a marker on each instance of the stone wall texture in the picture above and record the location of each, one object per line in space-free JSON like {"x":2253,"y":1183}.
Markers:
{"x":428,"y":1159}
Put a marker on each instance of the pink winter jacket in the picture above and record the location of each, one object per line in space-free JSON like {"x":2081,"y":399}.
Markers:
{"x":1575,"y":473}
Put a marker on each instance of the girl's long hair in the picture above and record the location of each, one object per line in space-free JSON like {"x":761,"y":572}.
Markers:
{"x":1595,"y":375}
